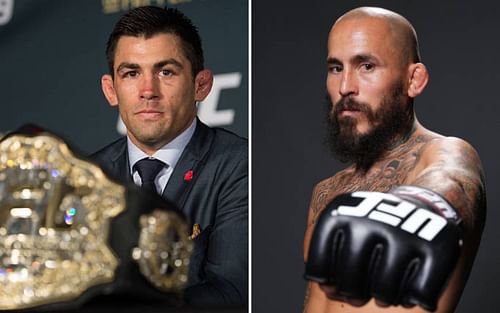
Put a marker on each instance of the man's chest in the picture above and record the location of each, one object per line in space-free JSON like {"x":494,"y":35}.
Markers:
{"x":381,"y":177}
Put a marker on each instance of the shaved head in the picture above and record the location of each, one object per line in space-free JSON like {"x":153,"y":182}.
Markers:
{"x":374,"y":72}
{"x":403,"y":35}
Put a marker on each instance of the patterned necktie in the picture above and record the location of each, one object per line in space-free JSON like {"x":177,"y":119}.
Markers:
{"x":148,"y":169}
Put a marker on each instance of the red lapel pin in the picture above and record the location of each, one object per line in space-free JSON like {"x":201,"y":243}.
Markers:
{"x":188,"y":176}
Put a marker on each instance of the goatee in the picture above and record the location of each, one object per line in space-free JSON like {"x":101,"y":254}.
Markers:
{"x":388,"y":123}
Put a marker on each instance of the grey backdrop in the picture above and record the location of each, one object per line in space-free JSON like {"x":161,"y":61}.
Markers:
{"x":52,"y":58}
{"x":460,"y":44}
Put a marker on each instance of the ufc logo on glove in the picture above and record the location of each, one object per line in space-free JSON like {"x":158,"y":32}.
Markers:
{"x":389,"y":209}
{"x":399,"y":247}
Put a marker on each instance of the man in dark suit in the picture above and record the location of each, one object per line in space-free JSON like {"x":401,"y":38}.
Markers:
{"x":156,"y":78}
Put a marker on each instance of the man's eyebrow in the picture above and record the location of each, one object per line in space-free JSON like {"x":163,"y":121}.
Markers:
{"x":332,"y":60}
{"x":126,"y":65}
{"x":358,"y":58}
{"x":156,"y":66}
{"x":170,"y":61}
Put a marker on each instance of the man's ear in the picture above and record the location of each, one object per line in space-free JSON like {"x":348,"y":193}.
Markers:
{"x":203,"y":84}
{"x":109,"y":89}
{"x":418,"y":78}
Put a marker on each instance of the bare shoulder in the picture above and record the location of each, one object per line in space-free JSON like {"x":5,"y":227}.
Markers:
{"x":458,"y":149}
{"x":452,"y":167}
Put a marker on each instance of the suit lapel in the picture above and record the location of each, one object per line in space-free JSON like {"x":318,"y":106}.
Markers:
{"x":119,"y":166}
{"x":189,"y":165}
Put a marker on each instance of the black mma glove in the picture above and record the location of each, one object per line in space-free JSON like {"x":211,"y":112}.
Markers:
{"x":399,"y":247}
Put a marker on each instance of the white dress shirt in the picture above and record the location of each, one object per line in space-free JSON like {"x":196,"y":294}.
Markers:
{"x":168,"y":154}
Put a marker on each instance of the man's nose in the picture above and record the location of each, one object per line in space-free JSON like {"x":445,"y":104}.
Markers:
{"x":348,"y":83}
{"x":149,"y":87}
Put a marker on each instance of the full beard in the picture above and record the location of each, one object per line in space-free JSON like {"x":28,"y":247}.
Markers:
{"x":390,"y":122}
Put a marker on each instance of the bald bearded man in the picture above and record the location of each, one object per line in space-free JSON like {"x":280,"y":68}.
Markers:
{"x":374,"y":74}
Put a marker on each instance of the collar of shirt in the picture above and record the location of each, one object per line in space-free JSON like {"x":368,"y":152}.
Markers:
{"x":169,"y":154}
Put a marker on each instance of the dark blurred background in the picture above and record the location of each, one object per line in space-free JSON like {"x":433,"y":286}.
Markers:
{"x":460,"y":45}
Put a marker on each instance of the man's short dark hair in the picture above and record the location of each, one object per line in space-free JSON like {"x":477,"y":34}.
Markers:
{"x":148,"y":21}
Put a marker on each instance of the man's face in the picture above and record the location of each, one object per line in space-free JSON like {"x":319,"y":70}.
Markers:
{"x":368,"y":106}
{"x":363,"y":149}
{"x":154,"y":89}
{"x":364,"y":66}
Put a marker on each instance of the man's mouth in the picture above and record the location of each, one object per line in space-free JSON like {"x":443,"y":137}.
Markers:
{"x":148,"y":113}
{"x":349,"y":112}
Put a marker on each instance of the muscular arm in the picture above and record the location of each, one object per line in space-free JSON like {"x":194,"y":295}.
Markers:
{"x":451,"y":167}
{"x":448,"y":166}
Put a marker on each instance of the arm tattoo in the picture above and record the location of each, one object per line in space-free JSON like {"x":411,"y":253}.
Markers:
{"x":458,"y":177}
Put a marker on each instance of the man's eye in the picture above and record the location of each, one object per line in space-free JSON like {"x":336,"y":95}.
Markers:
{"x":367,"y":66}
{"x":130,"y":74}
{"x":166,"y":73}
{"x":335,"y":69}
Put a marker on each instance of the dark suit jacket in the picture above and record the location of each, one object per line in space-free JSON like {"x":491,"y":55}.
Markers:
{"x":216,"y":198}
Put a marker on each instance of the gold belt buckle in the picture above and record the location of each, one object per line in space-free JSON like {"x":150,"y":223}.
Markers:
{"x":55,"y":214}
{"x":164,"y":250}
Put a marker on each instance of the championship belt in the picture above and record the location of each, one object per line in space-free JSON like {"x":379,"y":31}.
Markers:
{"x":67,"y":232}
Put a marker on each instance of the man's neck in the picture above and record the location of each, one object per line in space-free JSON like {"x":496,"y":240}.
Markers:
{"x":392,"y":147}
{"x":169,"y":153}
{"x":153,"y":147}
{"x":404,"y":136}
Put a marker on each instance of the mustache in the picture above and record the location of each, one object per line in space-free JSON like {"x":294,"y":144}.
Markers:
{"x":349,"y":104}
